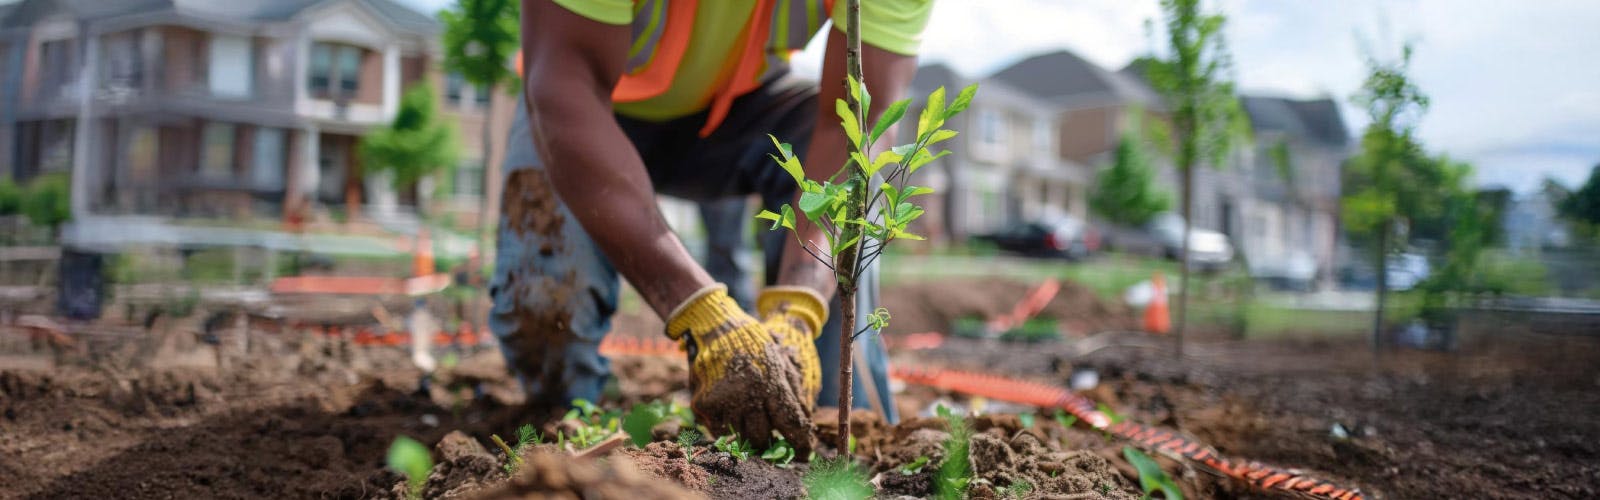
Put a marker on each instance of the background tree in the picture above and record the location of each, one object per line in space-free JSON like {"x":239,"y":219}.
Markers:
{"x":480,"y":38}
{"x":1207,"y":120}
{"x":1126,"y":193}
{"x":415,"y":145}
{"x":1388,"y":181}
{"x":47,"y":201}
{"x":1581,"y":206}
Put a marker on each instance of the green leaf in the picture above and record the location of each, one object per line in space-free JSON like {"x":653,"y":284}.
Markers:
{"x":914,"y":466}
{"x":788,"y":161}
{"x":888,"y":119}
{"x":1151,"y":477}
{"x":884,"y":159}
{"x":1026,"y":419}
{"x":852,"y":128}
{"x":772,"y":216}
{"x":812,"y":203}
{"x":410,"y":458}
{"x":915,"y":191}
{"x":644,"y":417}
{"x":1064,"y":419}
{"x":860,"y":160}
{"x":932,"y":116}
{"x":940,"y":135}
{"x":923,"y":158}
{"x":963,"y":100}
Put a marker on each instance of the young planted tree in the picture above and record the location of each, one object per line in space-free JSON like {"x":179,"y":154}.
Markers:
{"x":1207,"y":119}
{"x":1389,"y":179}
{"x":1126,"y":193}
{"x":415,"y":145}
{"x":871,"y":206}
{"x":480,"y":38}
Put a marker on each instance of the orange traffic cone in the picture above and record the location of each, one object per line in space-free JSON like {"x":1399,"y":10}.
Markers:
{"x":422,"y":257}
{"x":1156,"y":318}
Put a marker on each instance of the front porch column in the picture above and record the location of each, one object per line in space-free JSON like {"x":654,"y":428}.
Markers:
{"x":300,"y":186}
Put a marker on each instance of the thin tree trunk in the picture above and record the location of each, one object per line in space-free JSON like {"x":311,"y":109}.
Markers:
{"x":1183,"y":259}
{"x":849,"y":257}
{"x":1383,"y":288}
{"x":488,"y":180}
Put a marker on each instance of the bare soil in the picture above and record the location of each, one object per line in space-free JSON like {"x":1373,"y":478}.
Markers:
{"x":1509,"y":415}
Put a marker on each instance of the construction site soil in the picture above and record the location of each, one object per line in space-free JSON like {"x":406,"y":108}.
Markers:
{"x":297,"y":415}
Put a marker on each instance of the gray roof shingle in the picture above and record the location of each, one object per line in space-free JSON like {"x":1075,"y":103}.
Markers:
{"x":1063,"y":75}
{"x":1314,"y":119}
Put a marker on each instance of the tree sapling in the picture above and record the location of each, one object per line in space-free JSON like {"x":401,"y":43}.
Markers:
{"x":872,"y":205}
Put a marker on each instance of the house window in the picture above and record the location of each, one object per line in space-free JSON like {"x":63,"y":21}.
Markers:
{"x":481,"y":95}
{"x":469,"y":179}
{"x":335,"y":70}
{"x":266,"y":169}
{"x":232,"y":66}
{"x":989,"y":127}
{"x":216,"y":159}
{"x":55,"y":64}
{"x":122,"y":64}
{"x":1042,"y":132}
{"x":453,"y":85}
{"x":143,"y":155}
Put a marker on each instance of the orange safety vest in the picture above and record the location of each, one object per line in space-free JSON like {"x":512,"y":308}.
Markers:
{"x":659,"y":48}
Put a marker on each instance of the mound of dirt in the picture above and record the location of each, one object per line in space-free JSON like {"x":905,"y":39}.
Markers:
{"x":553,"y":475}
{"x":931,"y":306}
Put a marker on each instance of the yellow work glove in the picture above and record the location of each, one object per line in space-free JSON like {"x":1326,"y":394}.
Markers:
{"x":795,"y":315}
{"x":741,"y":378}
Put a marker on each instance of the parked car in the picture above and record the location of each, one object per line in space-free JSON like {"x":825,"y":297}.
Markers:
{"x":1406,"y":271}
{"x":1292,"y":270}
{"x":1207,"y":249}
{"x":1062,"y":236}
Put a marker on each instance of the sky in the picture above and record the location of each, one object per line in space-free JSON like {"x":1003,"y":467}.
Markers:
{"x":1515,"y":85}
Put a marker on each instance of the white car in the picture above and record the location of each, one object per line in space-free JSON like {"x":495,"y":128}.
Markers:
{"x":1207,"y":249}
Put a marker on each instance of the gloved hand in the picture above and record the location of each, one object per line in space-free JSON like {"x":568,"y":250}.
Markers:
{"x":795,"y":316}
{"x":740,"y":376}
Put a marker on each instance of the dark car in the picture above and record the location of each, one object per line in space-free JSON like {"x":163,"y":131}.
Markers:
{"x":1059,"y":237}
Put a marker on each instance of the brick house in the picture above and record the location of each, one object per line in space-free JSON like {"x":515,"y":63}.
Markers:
{"x":238,"y":108}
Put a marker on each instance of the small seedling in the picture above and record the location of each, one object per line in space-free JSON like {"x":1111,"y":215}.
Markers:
{"x":411,"y":459}
{"x":780,"y":454}
{"x":1109,"y":413}
{"x":594,"y":425}
{"x":1026,"y":419}
{"x":1151,"y":477}
{"x":1019,"y":489}
{"x":526,"y":436}
{"x":732,"y":445}
{"x":1065,"y":420}
{"x":686,"y":441}
{"x":837,"y":479}
{"x":914,"y":466}
{"x":955,"y":473}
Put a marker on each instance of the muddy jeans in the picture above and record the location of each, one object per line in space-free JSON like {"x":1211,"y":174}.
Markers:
{"x":554,"y":292}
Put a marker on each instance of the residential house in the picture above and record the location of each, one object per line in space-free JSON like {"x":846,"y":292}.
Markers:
{"x":1280,"y":202}
{"x":1006,"y":165}
{"x":226,"y":109}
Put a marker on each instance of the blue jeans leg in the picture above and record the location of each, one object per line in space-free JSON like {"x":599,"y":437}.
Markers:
{"x":553,"y":292}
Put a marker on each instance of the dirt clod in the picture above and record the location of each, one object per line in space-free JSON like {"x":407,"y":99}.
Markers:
{"x":553,"y":475}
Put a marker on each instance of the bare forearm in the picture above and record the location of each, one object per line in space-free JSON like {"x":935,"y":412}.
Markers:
{"x":609,"y":192}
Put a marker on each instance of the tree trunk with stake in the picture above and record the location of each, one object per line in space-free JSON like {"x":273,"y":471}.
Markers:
{"x":849,"y":257}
